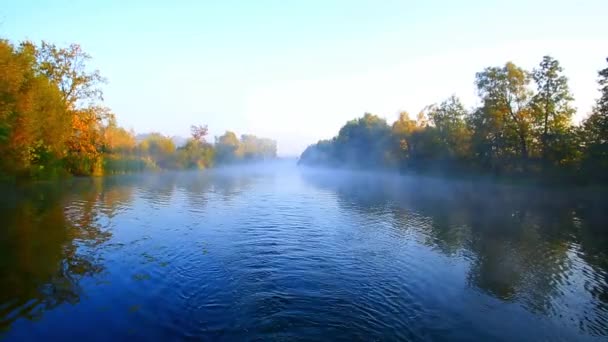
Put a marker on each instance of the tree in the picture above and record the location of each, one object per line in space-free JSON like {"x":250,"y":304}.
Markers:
{"x":552,"y":109}
{"x":52,"y":120}
{"x":159,"y":147}
{"x":199,"y":132}
{"x":321,"y":153}
{"x":79,"y":87}
{"x":596,"y":126}
{"x":33,"y":123}
{"x":506,"y":112}
{"x":226,"y":147}
{"x":197,"y":153}
{"x":117,"y":139}
{"x":86,"y":141}
{"x":364,"y":142}
{"x":403,"y":130}
{"x":595,"y":132}
{"x":254,"y":148}
{"x":448,"y":118}
{"x":602,"y":103}
{"x":67,"y":68}
{"x":511,"y":132}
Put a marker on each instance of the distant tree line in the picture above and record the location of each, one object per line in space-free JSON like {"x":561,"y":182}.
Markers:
{"x":523,"y":127}
{"x":53,"y":123}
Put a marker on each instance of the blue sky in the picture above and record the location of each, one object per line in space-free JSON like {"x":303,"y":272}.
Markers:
{"x":298,"y":70}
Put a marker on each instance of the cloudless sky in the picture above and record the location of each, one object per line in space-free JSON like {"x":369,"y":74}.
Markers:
{"x":296,"y":71}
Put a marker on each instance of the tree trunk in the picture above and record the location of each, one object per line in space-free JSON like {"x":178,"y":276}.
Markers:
{"x":545,"y":134}
{"x":524,"y":147}
{"x":524,"y":152}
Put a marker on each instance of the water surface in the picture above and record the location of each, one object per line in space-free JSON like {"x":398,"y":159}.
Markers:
{"x":280,"y":253}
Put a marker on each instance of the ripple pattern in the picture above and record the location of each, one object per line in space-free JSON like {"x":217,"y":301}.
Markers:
{"x":286,"y":254}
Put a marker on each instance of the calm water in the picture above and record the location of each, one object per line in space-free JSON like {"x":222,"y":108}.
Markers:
{"x":280,"y":253}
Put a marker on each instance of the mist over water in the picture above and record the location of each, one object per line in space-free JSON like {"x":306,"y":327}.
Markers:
{"x":277,"y":252}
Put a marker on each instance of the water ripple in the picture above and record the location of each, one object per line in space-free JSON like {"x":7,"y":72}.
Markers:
{"x":277,"y":255}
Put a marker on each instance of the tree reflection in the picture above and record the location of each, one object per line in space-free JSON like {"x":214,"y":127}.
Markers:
{"x":156,"y":189}
{"x":522,"y":242}
{"x":160,"y":189}
{"x":49,"y":243}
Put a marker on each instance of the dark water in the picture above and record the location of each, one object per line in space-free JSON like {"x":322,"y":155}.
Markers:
{"x":278,"y":253}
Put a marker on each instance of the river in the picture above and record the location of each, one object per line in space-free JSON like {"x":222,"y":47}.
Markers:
{"x":277,"y":252}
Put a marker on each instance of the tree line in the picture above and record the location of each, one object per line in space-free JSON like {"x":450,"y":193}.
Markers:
{"x":53,"y":123}
{"x":523,"y":127}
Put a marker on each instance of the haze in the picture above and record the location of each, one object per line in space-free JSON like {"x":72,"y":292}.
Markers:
{"x":297,"y":72}
{"x":310,"y":170}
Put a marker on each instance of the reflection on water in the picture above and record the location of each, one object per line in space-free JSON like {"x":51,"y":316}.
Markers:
{"x":47,"y":245}
{"x":277,"y":252}
{"x":544,"y":249}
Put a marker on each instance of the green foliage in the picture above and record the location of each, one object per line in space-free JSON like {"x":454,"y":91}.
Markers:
{"x":66,"y":67}
{"x":595,"y":134}
{"x":52,"y":123}
{"x":121,"y":164}
{"x":160,"y":148}
{"x":194,"y":155}
{"x":454,"y":136}
{"x":506,"y":114}
{"x":199,"y":154}
{"x":229,"y":149}
{"x":552,"y":112}
{"x":517,"y":130}
{"x":361,"y":143}
{"x":252,"y":148}
{"x":321,"y":153}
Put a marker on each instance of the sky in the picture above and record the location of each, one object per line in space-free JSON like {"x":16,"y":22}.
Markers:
{"x":296,"y":71}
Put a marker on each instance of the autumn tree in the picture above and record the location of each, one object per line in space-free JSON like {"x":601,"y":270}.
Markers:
{"x":33,"y":123}
{"x":506,"y":117}
{"x":403,"y":130}
{"x":199,"y":132}
{"x":81,"y":94}
{"x":117,"y":139}
{"x":51,"y":119}
{"x":67,"y":67}
{"x":156,"y":144}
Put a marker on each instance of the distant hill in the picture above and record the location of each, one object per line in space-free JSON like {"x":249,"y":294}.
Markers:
{"x":179,"y":141}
